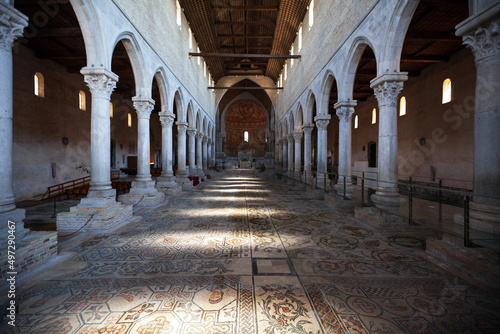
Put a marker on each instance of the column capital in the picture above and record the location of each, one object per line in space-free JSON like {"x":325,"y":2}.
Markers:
{"x":143,"y":106}
{"x":191,"y":132}
{"x":484,"y":41}
{"x":345,"y":109}
{"x":100,"y":81}
{"x":12,"y":23}
{"x":322,"y":121}
{"x":181,"y":127}
{"x":290,"y":137}
{"x":204,"y":139}
{"x":297,"y":135}
{"x":199,"y":135}
{"x":308,"y":129}
{"x":387,"y":87}
{"x":166,"y":119}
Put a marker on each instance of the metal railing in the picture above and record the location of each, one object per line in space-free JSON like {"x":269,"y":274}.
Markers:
{"x":427,"y":204}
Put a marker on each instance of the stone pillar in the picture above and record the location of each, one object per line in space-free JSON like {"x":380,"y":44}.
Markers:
{"x":101,"y":83}
{"x":143,"y":192}
{"x":345,"y":110}
{"x":209,"y":153}
{"x":308,"y":128}
{"x":12,"y":23}
{"x":192,"y":151}
{"x":280,"y":153}
{"x":167,"y":179}
{"x":297,"y":135}
{"x":322,"y":124}
{"x":481,"y":33}
{"x":205,"y":153}
{"x":387,"y":88}
{"x":290,"y":154}
{"x":167,"y":120}
{"x":181,"y":152}
{"x":285,"y":154}
{"x":199,"y":153}
{"x":143,"y":108}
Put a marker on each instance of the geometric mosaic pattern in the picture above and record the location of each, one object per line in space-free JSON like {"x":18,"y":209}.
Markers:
{"x":251,"y":255}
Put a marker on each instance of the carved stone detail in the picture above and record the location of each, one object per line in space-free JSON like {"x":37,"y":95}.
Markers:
{"x":387,"y":93}
{"x":166,"y":119}
{"x":199,"y":135}
{"x":485,"y":41}
{"x":100,"y":84}
{"x":297,"y":135}
{"x":204,"y":139}
{"x":181,"y":128}
{"x":345,"y":113}
{"x":143,"y":107}
{"x":12,"y":24}
{"x":191,"y":132}
{"x":308,"y":128}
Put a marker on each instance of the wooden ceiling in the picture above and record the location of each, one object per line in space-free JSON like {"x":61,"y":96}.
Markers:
{"x":257,"y":27}
{"x":266,"y":27}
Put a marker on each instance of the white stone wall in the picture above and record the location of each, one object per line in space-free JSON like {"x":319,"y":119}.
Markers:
{"x":447,"y":128}
{"x":41,"y":123}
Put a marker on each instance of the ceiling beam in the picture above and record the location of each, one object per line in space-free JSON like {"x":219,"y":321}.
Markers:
{"x":242,"y":55}
{"x":245,"y":88}
{"x":244,"y":36}
{"x":235,"y":47}
{"x":245,"y":23}
{"x":248,"y":8}
{"x":252,"y":63}
{"x":425,"y":59}
{"x":59,"y":32}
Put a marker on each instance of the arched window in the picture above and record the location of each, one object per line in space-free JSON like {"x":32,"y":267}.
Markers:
{"x":446,"y":91}
{"x":300,"y":39}
{"x":178,"y":13}
{"x":199,"y":58}
{"x":39,"y":85}
{"x":311,"y":14}
{"x":204,"y":69}
{"x":245,"y":136}
{"x":356,"y":124}
{"x":190,"y":39}
{"x":82,"y":101}
{"x":285,"y":76}
{"x":402,"y":106}
{"x":111,"y":109}
{"x":291,"y":53}
{"x":374,"y":115}
{"x":129,"y":120}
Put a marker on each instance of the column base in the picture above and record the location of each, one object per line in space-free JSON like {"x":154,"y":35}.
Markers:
{"x":142,"y":194}
{"x":99,"y":198}
{"x":349,"y":188}
{"x":322,"y":181}
{"x":94,"y":219}
{"x":482,"y":217}
{"x":388,"y":199}
{"x":168,"y":184}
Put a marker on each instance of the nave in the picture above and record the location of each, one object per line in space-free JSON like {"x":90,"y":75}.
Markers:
{"x":248,"y":253}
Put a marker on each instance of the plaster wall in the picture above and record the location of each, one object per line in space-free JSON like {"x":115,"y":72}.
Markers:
{"x":333,"y":21}
{"x":172,"y":45}
{"x":447,"y":128}
{"x":39,"y":124}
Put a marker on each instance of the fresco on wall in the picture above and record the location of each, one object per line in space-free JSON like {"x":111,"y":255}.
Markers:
{"x":241,"y":116}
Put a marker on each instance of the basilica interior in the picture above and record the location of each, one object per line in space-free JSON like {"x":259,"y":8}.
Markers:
{"x":250,"y":166}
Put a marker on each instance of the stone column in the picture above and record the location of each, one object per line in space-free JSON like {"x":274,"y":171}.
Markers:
{"x":387,"y":88}
{"x":481,"y":33}
{"x":12,"y":23}
{"x":167,"y":177}
{"x":308,"y":128}
{"x":143,"y":192}
{"x":181,"y":152}
{"x":290,"y":154}
{"x":209,"y":153}
{"x":192,"y":151}
{"x":205,"y":153}
{"x":322,"y":124}
{"x":297,"y":135}
{"x":285,"y":154}
{"x":101,"y":83}
{"x":143,"y":107}
{"x":199,"y":153}
{"x":345,"y":110}
{"x":280,"y":153}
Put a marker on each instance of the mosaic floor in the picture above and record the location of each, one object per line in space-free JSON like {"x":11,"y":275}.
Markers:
{"x":250,"y":255}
